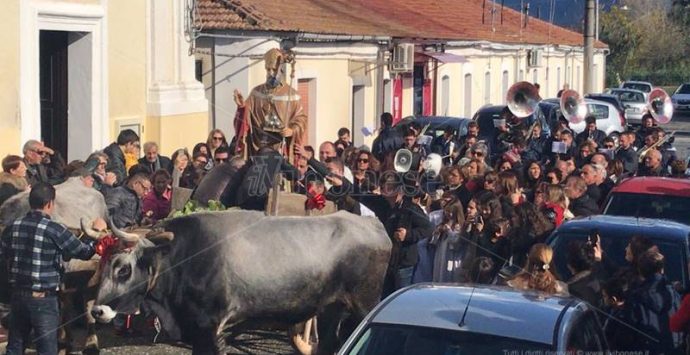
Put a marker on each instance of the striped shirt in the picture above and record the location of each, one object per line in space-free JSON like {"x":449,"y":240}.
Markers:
{"x":33,"y":248}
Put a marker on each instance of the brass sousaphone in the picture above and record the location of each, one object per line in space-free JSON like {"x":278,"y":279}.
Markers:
{"x":522,"y":99}
{"x":573,"y":106}
{"x":660,"y":105}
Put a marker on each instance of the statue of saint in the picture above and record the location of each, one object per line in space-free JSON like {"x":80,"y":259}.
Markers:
{"x":272,"y":115}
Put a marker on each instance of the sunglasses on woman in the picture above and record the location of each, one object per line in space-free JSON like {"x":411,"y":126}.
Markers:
{"x":362,"y":160}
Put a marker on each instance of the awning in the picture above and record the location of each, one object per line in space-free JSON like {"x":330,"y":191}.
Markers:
{"x":444,"y":57}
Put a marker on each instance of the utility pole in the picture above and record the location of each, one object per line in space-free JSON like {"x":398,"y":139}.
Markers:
{"x":589,"y":47}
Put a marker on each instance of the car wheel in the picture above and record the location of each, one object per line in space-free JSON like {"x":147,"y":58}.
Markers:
{"x":616,"y":137}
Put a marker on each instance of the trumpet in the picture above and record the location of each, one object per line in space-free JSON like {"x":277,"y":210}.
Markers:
{"x":660,"y":142}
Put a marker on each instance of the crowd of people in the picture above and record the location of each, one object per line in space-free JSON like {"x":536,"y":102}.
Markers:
{"x":483,"y":217}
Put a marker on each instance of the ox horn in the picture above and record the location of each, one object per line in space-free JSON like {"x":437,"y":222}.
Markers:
{"x":160,"y":236}
{"x":90,"y":232}
{"x":127,"y":237}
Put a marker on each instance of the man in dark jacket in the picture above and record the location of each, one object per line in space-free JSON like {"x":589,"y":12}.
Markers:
{"x":389,"y":140}
{"x":652,"y":165}
{"x":124,"y":202}
{"x":591,"y":132}
{"x":580,"y":203}
{"x":627,"y":154}
{"x":406,"y":224}
{"x":646,"y":128}
{"x":592,"y":175}
{"x":154,"y":161}
{"x":127,"y":142}
{"x":650,"y":307}
{"x":34,"y":152}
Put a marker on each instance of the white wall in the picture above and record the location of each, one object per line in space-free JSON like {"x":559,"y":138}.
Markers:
{"x":239,"y":65}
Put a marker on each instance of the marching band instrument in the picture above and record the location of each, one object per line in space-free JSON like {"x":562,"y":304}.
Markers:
{"x":522,"y":99}
{"x":643,"y":153}
{"x":660,"y":105}
{"x":573,"y":106}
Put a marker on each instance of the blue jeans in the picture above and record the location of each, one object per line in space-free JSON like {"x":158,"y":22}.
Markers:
{"x":38,"y":314}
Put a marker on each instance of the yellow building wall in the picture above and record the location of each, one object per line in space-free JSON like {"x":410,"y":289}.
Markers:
{"x":127,"y":64}
{"x":177,"y":131}
{"x":9,"y":79}
{"x":333,"y":92}
{"x":370,"y":102}
{"x":83,"y":2}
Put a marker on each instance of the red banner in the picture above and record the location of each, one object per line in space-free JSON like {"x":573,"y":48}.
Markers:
{"x":397,"y":99}
{"x":426,"y":98}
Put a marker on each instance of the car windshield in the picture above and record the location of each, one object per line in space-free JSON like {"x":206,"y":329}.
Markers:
{"x":613,"y":244}
{"x":683,"y":89}
{"x":630,"y":96}
{"x":675,"y":208}
{"x":636,"y":86}
{"x":402,"y":340}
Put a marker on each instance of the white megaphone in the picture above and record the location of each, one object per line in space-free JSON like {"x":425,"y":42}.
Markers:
{"x":403,"y":161}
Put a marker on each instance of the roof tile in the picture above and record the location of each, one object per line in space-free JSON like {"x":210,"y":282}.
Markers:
{"x":430,"y":19}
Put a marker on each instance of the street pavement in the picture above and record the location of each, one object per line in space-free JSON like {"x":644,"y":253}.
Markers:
{"x":250,"y":342}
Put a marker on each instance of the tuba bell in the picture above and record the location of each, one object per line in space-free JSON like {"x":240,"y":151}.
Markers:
{"x":573,"y":106}
{"x":522,"y":99}
{"x":660,"y":105}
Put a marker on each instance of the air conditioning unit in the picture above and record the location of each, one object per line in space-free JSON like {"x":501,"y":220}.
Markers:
{"x":534,"y":58}
{"x":402,"y":60}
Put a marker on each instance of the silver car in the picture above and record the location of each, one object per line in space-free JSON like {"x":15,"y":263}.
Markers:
{"x":634,"y":103}
{"x":681,"y":98}
{"x":449,"y":319}
{"x":645,"y":87}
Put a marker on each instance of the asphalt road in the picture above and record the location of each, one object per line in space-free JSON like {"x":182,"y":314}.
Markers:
{"x":680,"y":124}
{"x":252,"y":342}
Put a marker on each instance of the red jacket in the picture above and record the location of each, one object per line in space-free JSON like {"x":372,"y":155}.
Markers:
{"x":680,"y":321}
{"x":160,"y":206}
{"x":554,"y":212}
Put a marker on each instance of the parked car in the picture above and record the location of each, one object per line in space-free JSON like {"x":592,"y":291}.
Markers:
{"x":681,"y":98}
{"x":670,"y":237}
{"x":609,"y":118}
{"x":443,"y":319}
{"x":612,"y":99}
{"x":644,"y":86}
{"x":438,"y":124}
{"x":651,"y":197}
{"x":634,"y":103}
